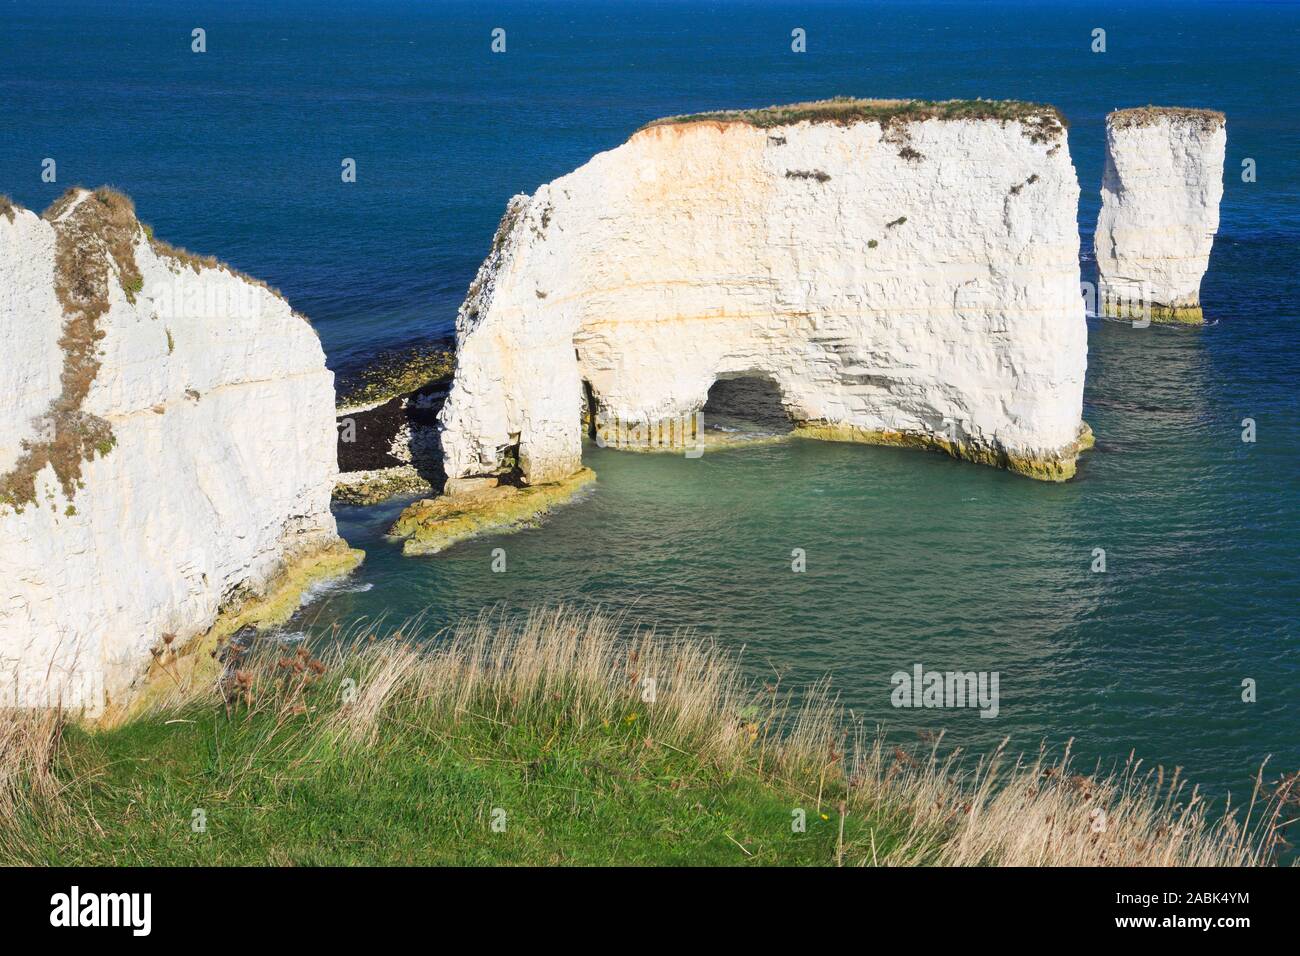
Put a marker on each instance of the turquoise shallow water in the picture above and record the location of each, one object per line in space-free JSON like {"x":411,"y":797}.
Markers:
{"x":911,"y":557}
{"x":915,"y":558}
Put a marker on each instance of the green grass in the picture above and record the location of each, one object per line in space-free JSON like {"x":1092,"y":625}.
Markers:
{"x":426,"y":797}
{"x":405,"y":751}
{"x":1042,"y":122}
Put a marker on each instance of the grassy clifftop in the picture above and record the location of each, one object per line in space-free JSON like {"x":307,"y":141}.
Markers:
{"x":1150,"y":115}
{"x":556,"y":739}
{"x":1046,"y":121}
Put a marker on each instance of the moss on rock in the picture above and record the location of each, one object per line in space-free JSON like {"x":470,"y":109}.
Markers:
{"x":435,"y":524}
{"x":377,"y":486}
{"x":179,"y":667}
{"x":1163,"y":314}
{"x":397,"y":373}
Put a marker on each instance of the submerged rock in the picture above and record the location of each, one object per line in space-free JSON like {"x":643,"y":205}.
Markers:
{"x":166,"y":453}
{"x":904,"y":272}
{"x":1159,"y":211}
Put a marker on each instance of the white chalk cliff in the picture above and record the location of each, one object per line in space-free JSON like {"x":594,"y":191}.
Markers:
{"x":167,"y":450}
{"x":906,"y":273}
{"x":1159,"y":210}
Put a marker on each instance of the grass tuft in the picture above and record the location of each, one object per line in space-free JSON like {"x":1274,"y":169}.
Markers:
{"x":541,"y":740}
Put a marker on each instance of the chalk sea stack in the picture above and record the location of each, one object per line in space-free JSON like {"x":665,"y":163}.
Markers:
{"x":167,"y":453}
{"x":904,"y":272}
{"x":1159,"y":211}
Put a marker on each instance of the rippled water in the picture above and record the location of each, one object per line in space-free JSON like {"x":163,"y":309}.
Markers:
{"x":911,"y":557}
{"x":915,"y":558}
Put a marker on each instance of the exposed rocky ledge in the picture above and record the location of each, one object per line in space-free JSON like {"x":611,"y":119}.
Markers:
{"x":1159,"y":211}
{"x":167,"y":449}
{"x":388,"y":426}
{"x":906,"y":272}
{"x":1056,"y":467}
{"x":481,"y":507}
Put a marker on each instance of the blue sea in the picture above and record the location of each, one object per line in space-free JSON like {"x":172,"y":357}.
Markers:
{"x":911,"y":557}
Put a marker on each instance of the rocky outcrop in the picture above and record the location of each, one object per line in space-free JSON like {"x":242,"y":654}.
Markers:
{"x":167,"y":452}
{"x":432,"y":525}
{"x":388,"y":426}
{"x":1159,"y":211}
{"x":905,"y":273}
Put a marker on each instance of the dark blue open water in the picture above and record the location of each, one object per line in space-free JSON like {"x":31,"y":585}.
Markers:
{"x":911,"y":557}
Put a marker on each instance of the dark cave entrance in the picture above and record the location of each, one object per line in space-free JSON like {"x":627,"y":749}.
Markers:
{"x":590,"y":410}
{"x":746,"y":402}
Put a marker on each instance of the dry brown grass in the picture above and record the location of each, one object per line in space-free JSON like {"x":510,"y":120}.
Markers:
{"x":1041,"y":812}
{"x":8,"y":208}
{"x":1147,"y":115}
{"x":182,"y":258}
{"x":1040,"y":123}
{"x":93,"y":242}
{"x":994,"y":810}
{"x":29,"y":742}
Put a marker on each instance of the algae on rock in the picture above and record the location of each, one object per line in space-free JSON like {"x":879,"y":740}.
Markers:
{"x":435,"y":524}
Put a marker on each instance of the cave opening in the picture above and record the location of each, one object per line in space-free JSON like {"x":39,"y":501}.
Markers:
{"x":748,"y":402}
{"x":590,"y":410}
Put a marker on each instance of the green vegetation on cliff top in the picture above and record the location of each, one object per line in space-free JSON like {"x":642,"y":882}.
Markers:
{"x":1148,"y":115}
{"x":540,"y":741}
{"x":1046,"y":121}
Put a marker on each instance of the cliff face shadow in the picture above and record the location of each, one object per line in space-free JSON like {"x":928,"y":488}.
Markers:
{"x":746,"y":403}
